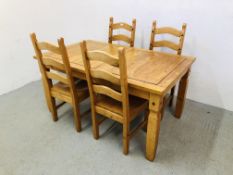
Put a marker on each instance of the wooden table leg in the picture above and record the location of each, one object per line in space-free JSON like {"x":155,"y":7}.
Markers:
{"x":153,"y":126}
{"x":181,"y":95}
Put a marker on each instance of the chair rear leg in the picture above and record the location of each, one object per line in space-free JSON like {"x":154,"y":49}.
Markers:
{"x":47,"y":96}
{"x":126,"y":138}
{"x":77,"y":118}
{"x":172,"y":96}
{"x":146,"y":113}
{"x":163,"y":108}
{"x":52,"y":103}
{"x":95,"y":125}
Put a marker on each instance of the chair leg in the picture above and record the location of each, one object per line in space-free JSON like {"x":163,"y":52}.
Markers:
{"x":53,"y":108}
{"x":162,"y":109}
{"x":146,"y":118}
{"x":95,"y":125}
{"x":172,"y":96}
{"x":47,"y":96}
{"x":77,"y":118}
{"x":126,"y":138}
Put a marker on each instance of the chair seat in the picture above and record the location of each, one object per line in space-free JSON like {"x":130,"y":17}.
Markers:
{"x":136,"y":105}
{"x":62,"y":91}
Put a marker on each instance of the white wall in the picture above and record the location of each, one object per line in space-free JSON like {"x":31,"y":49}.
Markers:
{"x":209,"y":36}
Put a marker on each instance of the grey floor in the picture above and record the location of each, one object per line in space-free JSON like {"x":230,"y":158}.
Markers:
{"x":201,"y":142}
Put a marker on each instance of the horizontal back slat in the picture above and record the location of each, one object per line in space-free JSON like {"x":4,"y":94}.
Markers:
{"x":58,"y":77}
{"x":104,"y":90}
{"x":165,"y":43}
{"x":121,"y":37}
{"x":169,"y":30}
{"x":99,"y":55}
{"x":105,"y":75}
{"x":53,"y":64}
{"x":122,"y":25}
{"x":49,"y":47}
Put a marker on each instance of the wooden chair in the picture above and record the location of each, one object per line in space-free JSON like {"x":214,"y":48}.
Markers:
{"x":121,"y":37}
{"x":58,"y":80}
{"x":168,"y":44}
{"x":113,"y":103}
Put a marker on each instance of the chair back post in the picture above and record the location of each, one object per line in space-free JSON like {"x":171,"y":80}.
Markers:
{"x":181,"y":42}
{"x":133,"y":33}
{"x":70,"y":78}
{"x":34,"y":43}
{"x":152,"y":36}
{"x":110,"y":30}
{"x":43,"y":69}
{"x":37,"y":51}
{"x":87,"y":67}
{"x":124,"y":83}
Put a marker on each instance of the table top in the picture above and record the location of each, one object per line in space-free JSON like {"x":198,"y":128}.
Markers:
{"x":151,"y":71}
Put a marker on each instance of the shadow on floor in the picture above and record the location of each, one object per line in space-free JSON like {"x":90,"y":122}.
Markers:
{"x":191,"y":138}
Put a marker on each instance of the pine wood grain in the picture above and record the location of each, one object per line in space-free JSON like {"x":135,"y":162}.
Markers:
{"x":151,"y":75}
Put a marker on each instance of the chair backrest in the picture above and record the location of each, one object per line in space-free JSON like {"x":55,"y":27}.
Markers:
{"x":121,"y":37}
{"x":165,"y":43}
{"x":51,"y":69}
{"x":117,"y":62}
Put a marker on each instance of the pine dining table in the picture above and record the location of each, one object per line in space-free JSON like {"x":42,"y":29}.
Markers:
{"x":151,"y":75}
